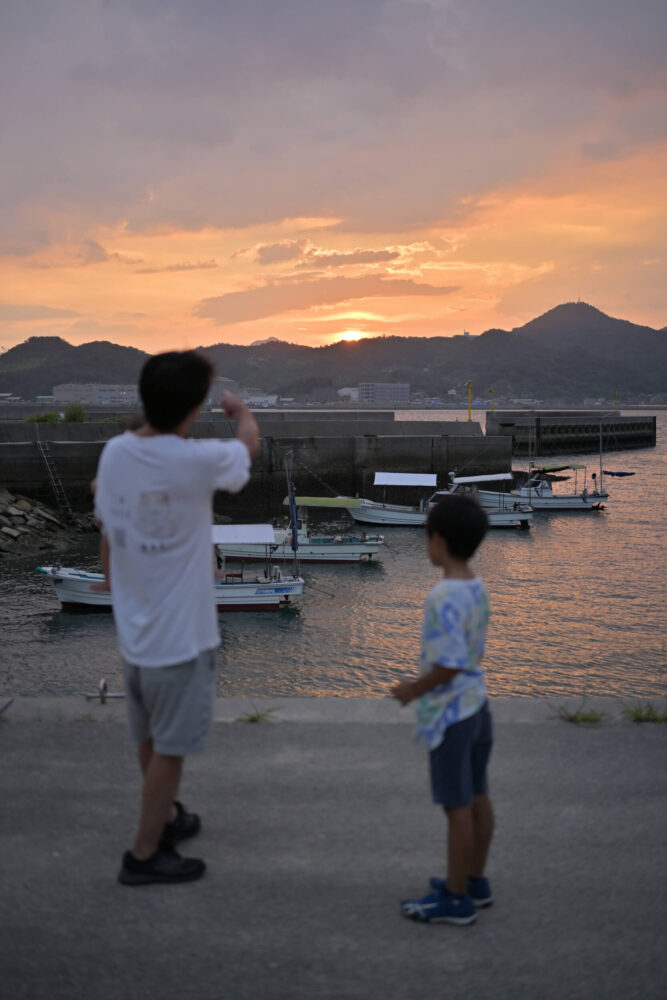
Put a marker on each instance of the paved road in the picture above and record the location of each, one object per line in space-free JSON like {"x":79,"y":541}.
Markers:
{"x":315,"y":825}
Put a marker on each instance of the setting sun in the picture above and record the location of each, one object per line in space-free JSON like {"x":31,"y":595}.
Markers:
{"x":351,"y":335}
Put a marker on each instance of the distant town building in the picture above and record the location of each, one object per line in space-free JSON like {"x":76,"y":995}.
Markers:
{"x":349,"y":392}
{"x":9,"y":397}
{"x":95,"y":394}
{"x":257,"y":397}
{"x":384,"y":392}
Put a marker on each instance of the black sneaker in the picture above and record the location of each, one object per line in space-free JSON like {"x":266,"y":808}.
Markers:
{"x":163,"y":866}
{"x":185,"y":825}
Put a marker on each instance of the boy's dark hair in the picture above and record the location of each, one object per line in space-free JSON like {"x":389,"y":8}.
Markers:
{"x":171,"y":385}
{"x":460,"y":521}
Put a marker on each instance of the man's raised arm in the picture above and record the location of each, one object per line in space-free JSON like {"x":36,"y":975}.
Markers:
{"x":247,"y":429}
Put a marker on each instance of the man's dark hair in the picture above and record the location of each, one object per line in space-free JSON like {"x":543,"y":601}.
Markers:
{"x":171,"y":385}
{"x":461,"y":521}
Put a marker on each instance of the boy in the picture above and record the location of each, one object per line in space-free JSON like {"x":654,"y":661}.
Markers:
{"x":153,"y":500}
{"x":453,"y":716}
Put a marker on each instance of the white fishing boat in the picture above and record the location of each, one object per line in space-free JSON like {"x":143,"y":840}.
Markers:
{"x":538,"y":490}
{"x":511,"y":514}
{"x":232,"y":591}
{"x":502,"y":509}
{"x":371,"y":512}
{"x":311,"y":548}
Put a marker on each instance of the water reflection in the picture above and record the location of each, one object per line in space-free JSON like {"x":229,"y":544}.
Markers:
{"x":577,"y":607}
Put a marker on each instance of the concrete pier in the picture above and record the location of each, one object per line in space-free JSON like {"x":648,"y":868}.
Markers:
{"x":552,"y":432}
{"x":342,"y":455}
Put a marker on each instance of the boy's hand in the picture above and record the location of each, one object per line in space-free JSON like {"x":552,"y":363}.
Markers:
{"x":404,"y":692}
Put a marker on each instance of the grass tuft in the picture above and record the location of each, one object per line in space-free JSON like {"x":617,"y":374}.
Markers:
{"x":580,"y":716}
{"x":257,"y":716}
{"x":645,"y":713}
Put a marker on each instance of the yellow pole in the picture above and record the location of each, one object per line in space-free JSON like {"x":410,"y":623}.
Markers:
{"x":492,"y":393}
{"x":469,"y":401}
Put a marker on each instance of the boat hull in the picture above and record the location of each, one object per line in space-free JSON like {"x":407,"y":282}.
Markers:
{"x":336,"y":549}
{"x":392,"y":514}
{"x":371,"y":513}
{"x":77,"y":590}
{"x":573,"y":501}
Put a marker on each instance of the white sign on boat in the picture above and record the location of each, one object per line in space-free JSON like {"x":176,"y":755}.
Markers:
{"x":405,"y":479}
{"x":482,"y":479}
{"x":242,"y":534}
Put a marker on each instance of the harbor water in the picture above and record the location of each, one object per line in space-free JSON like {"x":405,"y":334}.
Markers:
{"x":578,"y":608}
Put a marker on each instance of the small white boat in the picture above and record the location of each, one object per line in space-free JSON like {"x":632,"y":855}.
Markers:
{"x":372,"y":512}
{"x":76,"y":588}
{"x":310,"y":548}
{"x":232,"y":591}
{"x":510,"y":514}
{"x":502,"y":509}
{"x":538,"y":490}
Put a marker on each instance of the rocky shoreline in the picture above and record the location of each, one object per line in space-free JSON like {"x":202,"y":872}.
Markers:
{"x":28,"y":525}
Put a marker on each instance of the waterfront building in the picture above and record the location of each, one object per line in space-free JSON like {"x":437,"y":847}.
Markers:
{"x":95,"y":394}
{"x":384,"y":392}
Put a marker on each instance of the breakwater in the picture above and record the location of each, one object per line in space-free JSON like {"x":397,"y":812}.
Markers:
{"x":553,"y":432}
{"x":27,"y":525}
{"x":325,"y":454}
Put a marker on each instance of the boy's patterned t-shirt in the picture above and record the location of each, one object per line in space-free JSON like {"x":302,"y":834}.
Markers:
{"x":454,"y":634}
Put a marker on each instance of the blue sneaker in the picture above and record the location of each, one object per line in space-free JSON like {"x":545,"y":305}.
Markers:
{"x":478,"y":889}
{"x":440,"y":908}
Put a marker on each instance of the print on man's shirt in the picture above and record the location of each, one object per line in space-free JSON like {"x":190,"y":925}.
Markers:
{"x":119,"y":538}
{"x":155,"y":515}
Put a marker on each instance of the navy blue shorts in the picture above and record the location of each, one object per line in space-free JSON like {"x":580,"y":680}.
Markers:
{"x":458,"y":765}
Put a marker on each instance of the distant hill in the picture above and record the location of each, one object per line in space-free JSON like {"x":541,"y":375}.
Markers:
{"x":34,"y":367}
{"x":570,"y":352}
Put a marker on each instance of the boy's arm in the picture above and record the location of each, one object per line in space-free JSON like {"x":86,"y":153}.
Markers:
{"x":407,"y":691}
{"x":247,"y":429}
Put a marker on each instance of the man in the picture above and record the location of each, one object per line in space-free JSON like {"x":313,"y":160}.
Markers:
{"x":153,"y":500}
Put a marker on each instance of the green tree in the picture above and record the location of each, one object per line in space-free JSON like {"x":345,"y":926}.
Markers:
{"x":74,"y":414}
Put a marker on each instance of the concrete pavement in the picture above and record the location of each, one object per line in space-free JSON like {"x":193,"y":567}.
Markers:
{"x":315,"y":824}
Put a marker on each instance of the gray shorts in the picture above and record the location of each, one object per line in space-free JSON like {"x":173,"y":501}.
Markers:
{"x":172,"y":705}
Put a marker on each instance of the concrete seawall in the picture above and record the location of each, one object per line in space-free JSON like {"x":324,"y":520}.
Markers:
{"x":555,"y":432}
{"x":343,"y":454}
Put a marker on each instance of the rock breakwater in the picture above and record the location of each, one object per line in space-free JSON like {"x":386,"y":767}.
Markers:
{"x":31,"y":526}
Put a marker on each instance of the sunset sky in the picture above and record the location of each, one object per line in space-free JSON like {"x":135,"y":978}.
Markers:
{"x":179,"y":173}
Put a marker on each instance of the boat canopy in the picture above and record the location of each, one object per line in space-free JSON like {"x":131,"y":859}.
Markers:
{"x":242,"y":534}
{"x":482,"y":479}
{"x":341,"y":502}
{"x":405,"y":479}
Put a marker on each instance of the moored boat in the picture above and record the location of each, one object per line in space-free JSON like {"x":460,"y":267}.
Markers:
{"x":232,"y":591}
{"x":339,"y":548}
{"x":77,"y":588}
{"x":538,"y":490}
{"x":511,"y":513}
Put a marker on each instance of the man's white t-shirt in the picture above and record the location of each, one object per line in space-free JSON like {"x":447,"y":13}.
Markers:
{"x":154,"y":498}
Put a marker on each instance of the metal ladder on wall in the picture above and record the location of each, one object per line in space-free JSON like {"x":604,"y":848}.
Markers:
{"x":62,"y":500}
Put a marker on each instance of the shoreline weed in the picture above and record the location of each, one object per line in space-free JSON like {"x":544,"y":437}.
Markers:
{"x":645,"y":713}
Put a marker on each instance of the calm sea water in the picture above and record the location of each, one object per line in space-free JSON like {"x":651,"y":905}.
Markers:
{"x":578,"y":608}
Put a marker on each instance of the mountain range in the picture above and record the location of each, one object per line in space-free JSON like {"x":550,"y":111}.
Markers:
{"x":569,"y":353}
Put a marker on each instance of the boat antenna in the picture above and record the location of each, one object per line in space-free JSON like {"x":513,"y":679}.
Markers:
{"x":293,"y":511}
